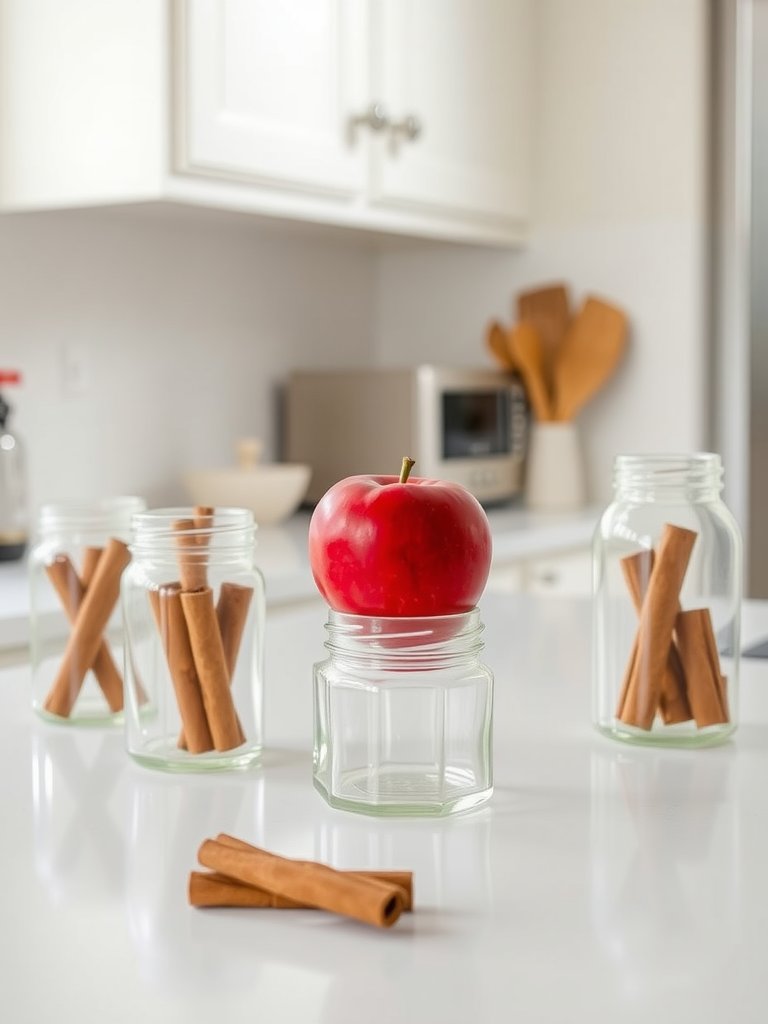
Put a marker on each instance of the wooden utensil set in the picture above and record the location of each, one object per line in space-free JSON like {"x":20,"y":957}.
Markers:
{"x":563,"y":360}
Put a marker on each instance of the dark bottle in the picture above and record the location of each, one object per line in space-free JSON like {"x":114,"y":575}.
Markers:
{"x":13,"y":482}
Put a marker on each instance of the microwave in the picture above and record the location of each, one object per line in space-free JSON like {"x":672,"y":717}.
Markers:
{"x":458,"y":424}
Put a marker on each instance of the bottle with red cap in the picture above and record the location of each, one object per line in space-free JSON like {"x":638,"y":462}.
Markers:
{"x":13,"y":482}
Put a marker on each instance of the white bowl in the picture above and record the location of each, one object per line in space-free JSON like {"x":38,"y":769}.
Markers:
{"x":272,"y":491}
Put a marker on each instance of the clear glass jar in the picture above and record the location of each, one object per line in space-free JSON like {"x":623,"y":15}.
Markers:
{"x":667,"y":582}
{"x":193,"y":605}
{"x":76,"y":634}
{"x":402,"y":715}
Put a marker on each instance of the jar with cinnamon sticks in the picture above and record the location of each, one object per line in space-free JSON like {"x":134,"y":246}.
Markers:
{"x":76,"y":628}
{"x":667,"y":604}
{"x":193,"y":605}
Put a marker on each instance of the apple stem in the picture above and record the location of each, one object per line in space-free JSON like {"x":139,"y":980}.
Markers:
{"x":405,"y":470}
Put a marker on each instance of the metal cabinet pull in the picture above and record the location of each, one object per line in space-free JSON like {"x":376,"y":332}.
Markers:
{"x":409,"y":128}
{"x":375,"y":118}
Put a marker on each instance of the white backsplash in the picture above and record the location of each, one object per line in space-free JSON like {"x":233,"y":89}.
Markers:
{"x":186,"y":332}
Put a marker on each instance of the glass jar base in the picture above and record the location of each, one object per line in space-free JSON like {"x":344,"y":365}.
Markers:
{"x":166,"y":756}
{"x":404,"y":791}
{"x":669,"y":736}
{"x":90,"y":720}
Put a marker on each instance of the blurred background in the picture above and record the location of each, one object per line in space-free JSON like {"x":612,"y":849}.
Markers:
{"x":198,"y":198}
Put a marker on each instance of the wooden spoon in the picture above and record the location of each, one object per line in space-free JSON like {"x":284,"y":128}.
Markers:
{"x":525,"y":348}
{"x":588,"y":355}
{"x":496,"y":342}
{"x":548,"y":309}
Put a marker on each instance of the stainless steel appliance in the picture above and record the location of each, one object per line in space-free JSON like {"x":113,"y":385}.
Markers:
{"x":458,"y":424}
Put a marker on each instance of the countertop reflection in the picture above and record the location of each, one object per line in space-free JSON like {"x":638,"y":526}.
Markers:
{"x":601,"y":882}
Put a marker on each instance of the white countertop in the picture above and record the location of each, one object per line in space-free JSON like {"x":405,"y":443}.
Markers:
{"x":602,"y":882}
{"x":281,"y":554}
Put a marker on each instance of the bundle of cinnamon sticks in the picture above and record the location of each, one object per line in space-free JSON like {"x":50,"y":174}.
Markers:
{"x":88,"y":599}
{"x":201,"y":640}
{"x":674,"y":666}
{"x":246,"y":876}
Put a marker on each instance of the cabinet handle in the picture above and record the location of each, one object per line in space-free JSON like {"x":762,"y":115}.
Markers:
{"x":375,"y":118}
{"x":409,"y":128}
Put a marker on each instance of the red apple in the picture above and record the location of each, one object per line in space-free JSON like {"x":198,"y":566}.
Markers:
{"x":393,"y":546}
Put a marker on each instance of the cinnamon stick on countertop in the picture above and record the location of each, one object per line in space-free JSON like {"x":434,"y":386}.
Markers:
{"x":365,"y":899}
{"x":211,"y":889}
{"x":404,"y":880}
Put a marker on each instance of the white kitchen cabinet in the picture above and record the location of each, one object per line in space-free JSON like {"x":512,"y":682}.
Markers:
{"x":266,"y":91}
{"x":462,"y":69}
{"x":279,"y":95}
{"x":565,"y":574}
{"x":262,"y":107}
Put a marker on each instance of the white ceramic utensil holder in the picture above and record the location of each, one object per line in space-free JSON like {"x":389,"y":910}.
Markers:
{"x":555,"y":468}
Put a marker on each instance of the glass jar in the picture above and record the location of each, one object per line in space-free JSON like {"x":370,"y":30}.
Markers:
{"x":667,"y":579}
{"x":193,"y":605}
{"x":76,"y":634}
{"x":402,"y":715}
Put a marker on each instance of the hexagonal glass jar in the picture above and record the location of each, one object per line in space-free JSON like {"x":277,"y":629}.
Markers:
{"x":403,"y":715}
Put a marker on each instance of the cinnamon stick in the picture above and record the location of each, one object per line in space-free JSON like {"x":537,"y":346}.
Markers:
{"x":703,"y":676}
{"x":210,"y":662}
{"x":71,"y":590}
{"x":91,"y":558}
{"x":641,"y":688}
{"x":211,"y":889}
{"x":232,"y":614}
{"x":714,"y":659}
{"x":192,"y":556}
{"x":403,"y":879}
{"x":673,"y":702}
{"x":172,"y":627}
{"x":90,"y":621}
{"x":365,"y":899}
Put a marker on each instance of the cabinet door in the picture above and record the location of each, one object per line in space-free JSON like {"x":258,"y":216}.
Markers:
{"x":266,"y":91}
{"x":462,"y":67}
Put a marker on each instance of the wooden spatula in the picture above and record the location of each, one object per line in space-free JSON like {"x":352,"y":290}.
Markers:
{"x":525,"y":348}
{"x":496,"y":343}
{"x":588,"y":355}
{"x":549,"y":311}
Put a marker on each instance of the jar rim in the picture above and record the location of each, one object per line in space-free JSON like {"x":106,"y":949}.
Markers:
{"x":408,"y":623}
{"x":671,"y":469}
{"x":158,"y":523}
{"x":668,"y":460}
{"x":100,"y":512}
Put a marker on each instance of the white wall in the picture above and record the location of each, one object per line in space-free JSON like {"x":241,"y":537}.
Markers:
{"x":619,"y":161}
{"x":188,"y":329}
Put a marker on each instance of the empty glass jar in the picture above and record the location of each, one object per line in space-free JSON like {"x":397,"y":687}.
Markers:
{"x":193,"y":604}
{"x":402,"y":716}
{"x":667,"y":604}
{"x":75,"y":624}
